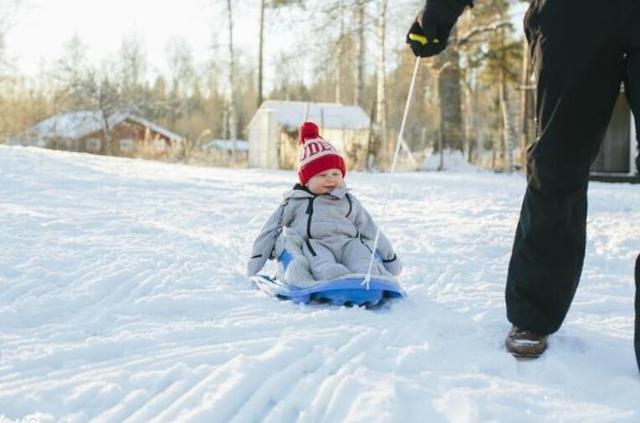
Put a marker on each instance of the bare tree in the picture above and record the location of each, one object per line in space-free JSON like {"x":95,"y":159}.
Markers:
{"x":181,"y":75}
{"x":132,"y":64}
{"x":108,"y":102}
{"x":231,"y":100}
{"x":507,"y":124}
{"x":381,"y":93}
{"x":450,"y":94}
{"x":81,"y":86}
{"x":360,"y":10}
{"x":339,"y":57}
{"x":4,"y":64}
{"x":69,"y":72}
{"x":8,"y":13}
{"x":104,"y":96}
{"x":264,"y":5}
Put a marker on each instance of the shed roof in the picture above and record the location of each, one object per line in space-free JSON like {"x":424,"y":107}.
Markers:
{"x":290,"y":114}
{"x":77,"y":124}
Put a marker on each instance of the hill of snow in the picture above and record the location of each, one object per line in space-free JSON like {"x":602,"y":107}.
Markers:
{"x":122,"y":298}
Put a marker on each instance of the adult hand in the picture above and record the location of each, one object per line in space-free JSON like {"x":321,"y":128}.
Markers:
{"x":430,"y":31}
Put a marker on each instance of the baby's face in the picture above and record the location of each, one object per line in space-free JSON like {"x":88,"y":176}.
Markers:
{"x":325,"y":182}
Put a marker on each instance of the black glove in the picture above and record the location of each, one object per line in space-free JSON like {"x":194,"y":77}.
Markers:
{"x":429,"y":33}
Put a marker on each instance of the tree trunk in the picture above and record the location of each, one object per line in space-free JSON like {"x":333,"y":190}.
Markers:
{"x":260,"y":53}
{"x":470,"y":94}
{"x":338,"y":93}
{"x":450,"y":99}
{"x":502,"y":107}
{"x":507,"y":151}
{"x":507,"y":129}
{"x":360,"y":46}
{"x":370,"y":140}
{"x":525,"y":95}
{"x":106,"y":132}
{"x":233,"y":126}
{"x":381,"y":112}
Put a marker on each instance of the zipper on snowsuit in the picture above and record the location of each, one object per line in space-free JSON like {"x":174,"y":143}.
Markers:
{"x":310,"y":213}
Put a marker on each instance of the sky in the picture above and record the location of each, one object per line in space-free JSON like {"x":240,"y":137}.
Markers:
{"x":43,"y":26}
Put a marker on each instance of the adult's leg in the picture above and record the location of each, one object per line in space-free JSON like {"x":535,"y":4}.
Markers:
{"x":632,"y":85}
{"x":579,"y":65}
{"x":636,"y":340}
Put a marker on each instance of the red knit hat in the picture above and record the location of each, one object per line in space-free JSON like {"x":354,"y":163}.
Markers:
{"x":316,"y":155}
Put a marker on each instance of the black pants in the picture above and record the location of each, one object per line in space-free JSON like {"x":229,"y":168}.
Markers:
{"x":582,"y":50}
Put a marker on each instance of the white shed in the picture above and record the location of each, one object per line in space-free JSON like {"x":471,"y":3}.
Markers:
{"x":273,"y":132}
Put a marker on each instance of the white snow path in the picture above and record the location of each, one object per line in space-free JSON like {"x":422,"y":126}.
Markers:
{"x":122,"y":298}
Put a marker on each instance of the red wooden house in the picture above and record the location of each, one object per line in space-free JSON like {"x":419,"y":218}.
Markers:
{"x":85,"y":131}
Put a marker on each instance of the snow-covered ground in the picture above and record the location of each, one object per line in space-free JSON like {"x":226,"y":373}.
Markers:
{"x":122,"y":298}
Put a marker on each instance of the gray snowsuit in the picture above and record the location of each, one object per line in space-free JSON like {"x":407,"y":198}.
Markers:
{"x":336,"y":230}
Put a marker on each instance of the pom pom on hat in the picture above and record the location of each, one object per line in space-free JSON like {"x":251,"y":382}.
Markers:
{"x":307,"y":131}
{"x":316,"y":154}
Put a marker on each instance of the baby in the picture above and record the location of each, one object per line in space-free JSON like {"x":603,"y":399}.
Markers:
{"x":337,"y":232}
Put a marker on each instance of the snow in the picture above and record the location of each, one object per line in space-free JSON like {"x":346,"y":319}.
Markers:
{"x":289,"y":114}
{"x":452,"y":161}
{"x":226,"y":145}
{"x":122,"y":298}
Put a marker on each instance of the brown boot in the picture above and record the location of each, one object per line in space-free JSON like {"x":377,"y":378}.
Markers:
{"x":525,"y":344}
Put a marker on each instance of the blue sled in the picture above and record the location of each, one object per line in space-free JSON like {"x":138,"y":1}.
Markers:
{"x":348,"y":290}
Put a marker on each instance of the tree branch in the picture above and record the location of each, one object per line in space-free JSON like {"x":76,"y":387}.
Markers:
{"x":468,"y":37}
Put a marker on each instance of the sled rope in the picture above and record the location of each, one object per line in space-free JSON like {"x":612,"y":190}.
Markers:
{"x":399,"y":141}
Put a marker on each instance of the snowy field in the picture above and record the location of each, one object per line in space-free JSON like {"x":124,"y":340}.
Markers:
{"x":122,"y":298}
